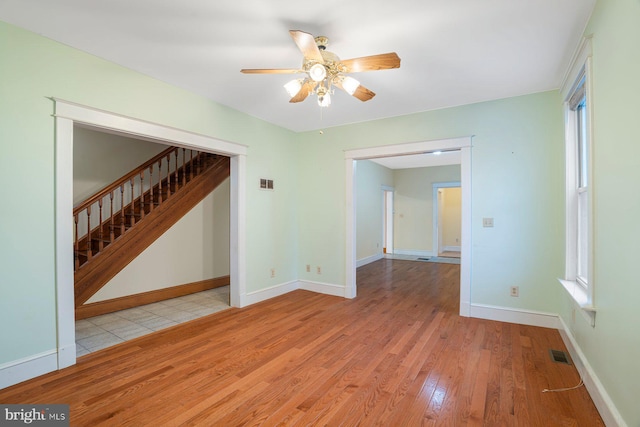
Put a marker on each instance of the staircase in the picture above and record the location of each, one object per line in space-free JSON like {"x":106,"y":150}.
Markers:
{"x":116,"y":224}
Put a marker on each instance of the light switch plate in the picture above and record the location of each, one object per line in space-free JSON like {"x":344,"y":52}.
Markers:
{"x":487,"y":222}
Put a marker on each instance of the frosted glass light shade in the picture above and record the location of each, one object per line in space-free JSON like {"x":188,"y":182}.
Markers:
{"x":324,"y":100}
{"x":293,"y":87}
{"x":317,"y":72}
{"x":350,"y":85}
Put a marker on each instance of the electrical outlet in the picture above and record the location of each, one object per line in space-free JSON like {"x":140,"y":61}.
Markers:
{"x":514,"y":291}
{"x":308,"y":268}
{"x":319,"y":270}
{"x":273,"y":272}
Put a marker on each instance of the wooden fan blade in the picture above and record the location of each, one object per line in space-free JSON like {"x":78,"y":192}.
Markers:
{"x":362,"y":93}
{"x":270,"y":71}
{"x":304,"y":91}
{"x":383,"y":61}
{"x":307,"y":45}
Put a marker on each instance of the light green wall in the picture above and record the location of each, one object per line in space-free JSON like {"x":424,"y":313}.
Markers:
{"x":612,"y":347}
{"x":413,"y":205}
{"x":517,"y":178}
{"x":272,"y":235}
{"x":370,"y":177}
{"x":34,"y":68}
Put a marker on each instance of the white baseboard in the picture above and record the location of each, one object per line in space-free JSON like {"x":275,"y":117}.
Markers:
{"x":599,"y":395}
{"x":369,"y":259}
{"x":514,"y":315}
{"x":67,"y":356}
{"x":323,"y":288}
{"x":451,"y":249}
{"x":465,"y":309}
{"x":283,"y":288}
{"x":29,"y":367}
{"x":601,"y":399}
{"x":271,"y":292}
{"x":413,"y":253}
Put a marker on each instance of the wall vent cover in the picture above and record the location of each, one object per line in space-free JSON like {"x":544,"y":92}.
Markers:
{"x":266,"y":184}
{"x":559,"y":356}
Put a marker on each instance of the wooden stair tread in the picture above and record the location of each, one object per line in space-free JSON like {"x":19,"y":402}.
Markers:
{"x":175,"y":195}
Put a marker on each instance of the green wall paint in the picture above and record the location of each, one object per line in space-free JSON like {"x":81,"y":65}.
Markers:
{"x":35,"y":68}
{"x":612,"y":347}
{"x":413,"y":205}
{"x":370,"y":178}
{"x":517,"y":178}
{"x":272,"y":240}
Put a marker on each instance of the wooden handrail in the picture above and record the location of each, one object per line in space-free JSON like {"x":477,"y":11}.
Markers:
{"x":128,"y":199}
{"x":110,"y":188}
{"x":93,"y":275}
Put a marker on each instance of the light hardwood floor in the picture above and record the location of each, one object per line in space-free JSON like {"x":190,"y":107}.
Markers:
{"x":397,"y":355}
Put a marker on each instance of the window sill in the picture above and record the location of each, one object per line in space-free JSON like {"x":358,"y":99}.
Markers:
{"x":580,"y":297}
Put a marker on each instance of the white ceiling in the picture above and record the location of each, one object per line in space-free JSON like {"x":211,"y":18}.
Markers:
{"x":453,"y":52}
{"x":423,"y":160}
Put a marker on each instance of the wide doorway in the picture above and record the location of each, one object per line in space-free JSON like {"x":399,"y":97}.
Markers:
{"x":68,"y":114}
{"x":463,"y":145}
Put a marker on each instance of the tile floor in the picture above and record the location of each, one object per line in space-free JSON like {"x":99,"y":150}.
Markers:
{"x":96,"y":333}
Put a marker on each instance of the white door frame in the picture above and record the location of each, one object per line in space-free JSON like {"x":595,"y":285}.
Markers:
{"x":436,"y":213}
{"x":66,"y":115}
{"x":387,"y":219}
{"x":351,"y":156}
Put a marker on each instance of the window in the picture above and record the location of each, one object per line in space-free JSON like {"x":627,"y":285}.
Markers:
{"x":578,"y":280}
{"x":578,"y":108}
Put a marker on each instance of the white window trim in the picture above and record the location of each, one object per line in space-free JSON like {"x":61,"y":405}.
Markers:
{"x":582,"y":296}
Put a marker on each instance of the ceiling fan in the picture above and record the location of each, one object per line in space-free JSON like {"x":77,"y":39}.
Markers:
{"x":324,"y":70}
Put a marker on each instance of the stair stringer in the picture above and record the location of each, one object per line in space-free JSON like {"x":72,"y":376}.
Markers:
{"x":90,"y":278}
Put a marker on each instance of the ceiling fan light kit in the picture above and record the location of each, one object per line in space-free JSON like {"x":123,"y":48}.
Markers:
{"x":325,"y":70}
{"x":349,"y":84}
{"x":293,"y":87}
{"x":324,"y":96}
{"x":317,"y":72}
